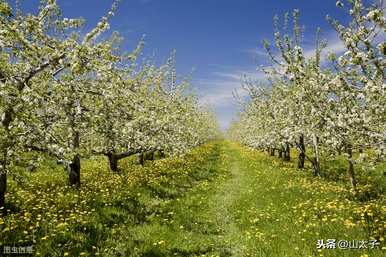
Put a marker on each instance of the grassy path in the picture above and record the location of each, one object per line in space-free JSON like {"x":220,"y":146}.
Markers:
{"x":222,"y":204}
{"x":252,"y":207}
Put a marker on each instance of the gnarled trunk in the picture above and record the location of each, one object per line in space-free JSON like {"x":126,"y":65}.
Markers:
{"x":113,"y":162}
{"x":302,"y":152}
{"x":115,"y":157}
{"x":74,"y":175}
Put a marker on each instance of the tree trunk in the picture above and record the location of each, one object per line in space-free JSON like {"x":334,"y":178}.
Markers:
{"x":3,"y":186}
{"x":75,"y":171}
{"x":140,"y":159}
{"x":113,"y":162}
{"x":161,"y":154}
{"x":280,"y":153}
{"x":316,"y":160}
{"x":316,"y":167}
{"x":115,"y":157}
{"x":302,"y":152}
{"x":351,"y":171}
{"x":74,"y":175}
{"x":287,"y":154}
{"x":272,"y":151}
{"x":7,"y":142}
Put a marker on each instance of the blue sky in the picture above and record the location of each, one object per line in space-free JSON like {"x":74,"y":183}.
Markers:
{"x":220,"y":39}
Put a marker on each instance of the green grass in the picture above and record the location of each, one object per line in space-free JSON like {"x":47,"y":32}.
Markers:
{"x":284,"y":211}
{"x":219,"y":200}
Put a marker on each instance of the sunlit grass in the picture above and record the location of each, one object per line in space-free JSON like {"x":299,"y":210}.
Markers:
{"x":219,"y":200}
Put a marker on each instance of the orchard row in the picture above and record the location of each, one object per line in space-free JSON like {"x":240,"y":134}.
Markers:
{"x":326,"y":104}
{"x":70,"y":95}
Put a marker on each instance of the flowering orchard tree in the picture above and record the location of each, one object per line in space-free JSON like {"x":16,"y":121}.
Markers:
{"x":70,"y":96}
{"x":358,"y":119}
{"x":143,"y":110}
{"x":296,"y":99}
{"x":116,"y":85}
{"x":67,"y":105}
{"x":30,"y":50}
{"x":341,"y":105}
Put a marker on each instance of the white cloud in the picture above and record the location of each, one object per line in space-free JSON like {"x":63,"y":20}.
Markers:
{"x":255,"y":52}
{"x":334,"y":45}
{"x":227,"y":75}
{"x":218,"y":92}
